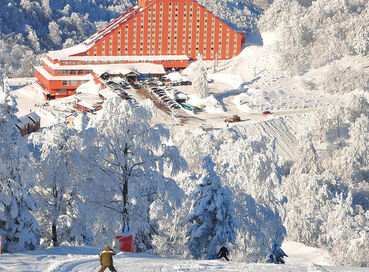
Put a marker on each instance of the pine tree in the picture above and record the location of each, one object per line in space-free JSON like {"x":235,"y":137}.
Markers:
{"x":200,"y":83}
{"x":211,"y":219}
{"x":18,"y":228}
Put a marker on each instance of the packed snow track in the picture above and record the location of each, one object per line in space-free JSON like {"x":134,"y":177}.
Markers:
{"x":78,"y":259}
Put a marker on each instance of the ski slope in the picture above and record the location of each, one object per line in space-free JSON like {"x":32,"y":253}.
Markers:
{"x":78,"y":259}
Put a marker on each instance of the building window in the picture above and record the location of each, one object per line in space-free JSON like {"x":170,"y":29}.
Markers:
{"x":65,"y":82}
{"x":73,"y":82}
{"x":63,"y":91}
{"x":80,"y":72}
{"x":72,"y":72}
{"x":65,"y":72}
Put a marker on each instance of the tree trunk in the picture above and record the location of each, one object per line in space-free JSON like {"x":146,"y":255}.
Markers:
{"x":125,"y":204}
{"x":54,"y":236}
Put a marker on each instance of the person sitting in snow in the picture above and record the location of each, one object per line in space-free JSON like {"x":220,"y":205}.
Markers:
{"x":277,"y":255}
{"x":271,"y":259}
{"x":106,"y":259}
{"x":223,"y":252}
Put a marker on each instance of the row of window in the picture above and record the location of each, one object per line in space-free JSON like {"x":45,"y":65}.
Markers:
{"x":71,"y":62}
{"x":72,"y":72}
{"x":171,"y":39}
{"x":73,"y":83}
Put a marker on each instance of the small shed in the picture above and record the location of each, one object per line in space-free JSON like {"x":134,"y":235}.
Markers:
{"x":36,"y":121}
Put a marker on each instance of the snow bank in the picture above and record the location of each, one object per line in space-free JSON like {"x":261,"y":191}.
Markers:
{"x":300,"y":251}
{"x":211,"y":104}
{"x":232,"y":79}
{"x":176,"y":77}
{"x":88,"y":87}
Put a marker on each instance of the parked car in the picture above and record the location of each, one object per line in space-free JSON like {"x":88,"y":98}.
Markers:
{"x":266,"y":112}
{"x":234,"y":118}
{"x":105,"y":76}
{"x":114,"y":85}
{"x":187,"y":82}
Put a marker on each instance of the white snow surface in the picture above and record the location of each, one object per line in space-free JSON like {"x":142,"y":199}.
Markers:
{"x":63,"y":259}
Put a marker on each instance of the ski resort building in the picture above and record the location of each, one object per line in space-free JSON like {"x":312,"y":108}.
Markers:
{"x":166,"y":32}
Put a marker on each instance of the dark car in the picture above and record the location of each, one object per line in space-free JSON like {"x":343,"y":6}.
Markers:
{"x":186,"y":82}
{"x":234,"y":118}
{"x":267,"y":112}
{"x":105,"y":76}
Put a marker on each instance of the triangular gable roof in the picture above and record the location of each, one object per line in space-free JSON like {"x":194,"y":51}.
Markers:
{"x":34,"y":117}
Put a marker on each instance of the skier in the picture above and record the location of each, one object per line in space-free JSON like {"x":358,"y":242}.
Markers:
{"x":223,"y":252}
{"x":106,"y":259}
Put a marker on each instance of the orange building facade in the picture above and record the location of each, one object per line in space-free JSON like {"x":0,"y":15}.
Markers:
{"x":167,"y":32}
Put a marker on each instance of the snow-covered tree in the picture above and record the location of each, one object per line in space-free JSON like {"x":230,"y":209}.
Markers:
{"x":361,"y":41}
{"x":18,"y":228}
{"x":128,"y":161}
{"x":59,"y":187}
{"x":252,"y":169}
{"x":338,"y":79}
{"x":199,"y":78}
{"x":326,"y":190}
{"x":33,"y":39}
{"x":171,"y":239}
{"x":211,"y":220}
{"x":54,"y":33}
{"x":313,"y":35}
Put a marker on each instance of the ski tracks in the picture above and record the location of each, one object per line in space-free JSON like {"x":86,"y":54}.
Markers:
{"x":75,"y":264}
{"x":286,"y":142}
{"x":317,"y":268}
